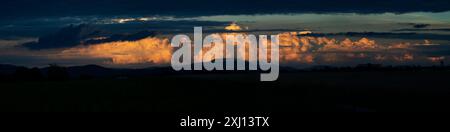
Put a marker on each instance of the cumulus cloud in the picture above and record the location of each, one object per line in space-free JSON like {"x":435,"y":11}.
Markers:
{"x":294,"y":48}
{"x":233,"y":27}
{"x":148,"y":50}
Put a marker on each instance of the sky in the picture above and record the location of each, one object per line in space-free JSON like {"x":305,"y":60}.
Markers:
{"x":137,"y":33}
{"x":32,"y":8}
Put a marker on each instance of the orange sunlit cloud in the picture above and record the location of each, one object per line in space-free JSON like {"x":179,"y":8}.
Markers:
{"x":436,"y":58}
{"x":233,"y":27}
{"x":148,"y":50}
{"x":293,"y":48}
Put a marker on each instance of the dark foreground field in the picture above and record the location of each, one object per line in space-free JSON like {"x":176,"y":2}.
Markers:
{"x":363,"y":91}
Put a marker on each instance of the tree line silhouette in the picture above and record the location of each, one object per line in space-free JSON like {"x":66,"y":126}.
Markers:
{"x":59,"y":73}
{"x":52,"y":73}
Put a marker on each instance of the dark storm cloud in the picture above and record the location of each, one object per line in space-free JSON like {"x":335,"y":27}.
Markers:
{"x":421,"y":25}
{"x":65,"y":37}
{"x":433,"y":50}
{"x":75,"y":35}
{"x":419,"y":30}
{"x":26,"y":8}
{"x":392,"y":35}
{"x":163,"y":26}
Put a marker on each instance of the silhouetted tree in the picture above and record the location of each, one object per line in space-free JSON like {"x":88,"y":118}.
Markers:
{"x":25,"y":74}
{"x":86,"y":77}
{"x":57,"y":73}
{"x":36,"y":74}
{"x":20,"y":73}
